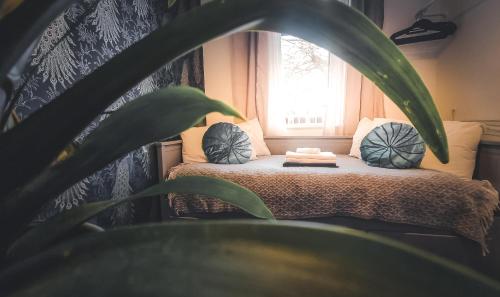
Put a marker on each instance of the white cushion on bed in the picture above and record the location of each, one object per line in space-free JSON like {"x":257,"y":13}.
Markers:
{"x":254,"y":131}
{"x":192,"y":148}
{"x":364,"y":127}
{"x":463,"y":139}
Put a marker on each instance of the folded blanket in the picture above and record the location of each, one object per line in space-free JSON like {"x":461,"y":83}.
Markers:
{"x":294,"y":164}
{"x":310,"y":161}
{"x":308,"y":150}
{"x":426,"y":198}
{"x":320,"y":156}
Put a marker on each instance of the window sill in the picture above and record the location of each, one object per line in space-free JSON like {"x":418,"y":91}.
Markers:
{"x":303,"y":127}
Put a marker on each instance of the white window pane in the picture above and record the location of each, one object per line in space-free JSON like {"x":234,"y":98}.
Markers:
{"x":305,"y":81}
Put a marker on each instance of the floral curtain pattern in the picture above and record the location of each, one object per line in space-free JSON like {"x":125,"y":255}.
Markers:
{"x":80,"y":40}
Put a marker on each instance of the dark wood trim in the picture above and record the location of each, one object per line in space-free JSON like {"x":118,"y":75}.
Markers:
{"x":488,"y":163}
{"x":169,"y":154}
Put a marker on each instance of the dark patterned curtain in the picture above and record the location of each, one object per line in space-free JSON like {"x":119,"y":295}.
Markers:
{"x":189,"y":70}
{"x":80,"y":40}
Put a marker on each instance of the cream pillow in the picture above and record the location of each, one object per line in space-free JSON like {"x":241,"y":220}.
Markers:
{"x":254,"y":131}
{"x":364,"y":127}
{"x":463,"y":139}
{"x":192,"y":148}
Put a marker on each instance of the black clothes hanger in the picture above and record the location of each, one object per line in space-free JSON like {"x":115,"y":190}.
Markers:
{"x":424,"y":30}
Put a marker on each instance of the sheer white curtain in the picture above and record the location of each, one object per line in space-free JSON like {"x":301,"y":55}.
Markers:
{"x":337,"y":78}
{"x":269,"y":80}
{"x":334,"y":118}
{"x":255,"y":82}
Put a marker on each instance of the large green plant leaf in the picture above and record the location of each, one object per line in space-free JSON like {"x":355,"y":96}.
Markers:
{"x":6,"y":6}
{"x":153,"y":117}
{"x":331,"y":24}
{"x":240,"y":259}
{"x":20,"y":27}
{"x":42,"y":236}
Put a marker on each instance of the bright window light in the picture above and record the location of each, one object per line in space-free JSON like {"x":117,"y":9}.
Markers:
{"x":305,"y":82}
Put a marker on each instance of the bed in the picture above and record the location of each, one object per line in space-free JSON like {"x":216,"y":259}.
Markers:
{"x":429,"y":209}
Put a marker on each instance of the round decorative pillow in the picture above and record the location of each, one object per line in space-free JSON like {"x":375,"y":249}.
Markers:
{"x":226,"y":143}
{"x":393,"y":145}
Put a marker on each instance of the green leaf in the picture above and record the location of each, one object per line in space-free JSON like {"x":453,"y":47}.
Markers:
{"x":241,"y":258}
{"x":331,"y":24}
{"x":42,"y":236}
{"x":363,"y":45}
{"x":171,"y":3}
{"x":6,"y":6}
{"x":153,"y":117}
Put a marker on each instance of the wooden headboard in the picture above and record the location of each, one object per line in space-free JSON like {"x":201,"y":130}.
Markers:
{"x":169,"y":154}
{"x":487,"y":165}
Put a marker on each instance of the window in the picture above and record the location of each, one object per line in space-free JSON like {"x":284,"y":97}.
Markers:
{"x":305,"y":83}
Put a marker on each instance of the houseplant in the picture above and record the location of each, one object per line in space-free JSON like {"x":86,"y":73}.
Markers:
{"x":185,"y":259}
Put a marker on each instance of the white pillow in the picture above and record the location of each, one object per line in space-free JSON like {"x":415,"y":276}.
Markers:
{"x":364,"y":127}
{"x":192,"y":147}
{"x":254,"y":131}
{"x":463,"y":139}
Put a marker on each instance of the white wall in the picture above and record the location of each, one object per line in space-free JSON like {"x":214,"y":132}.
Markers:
{"x":468,"y":70}
{"x":462,"y":73}
{"x":218,"y":73}
{"x":400,"y":14}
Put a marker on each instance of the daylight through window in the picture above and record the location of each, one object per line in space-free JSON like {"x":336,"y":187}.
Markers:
{"x":305,"y":82}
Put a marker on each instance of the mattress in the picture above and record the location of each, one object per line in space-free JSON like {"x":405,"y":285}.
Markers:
{"x":420,"y":197}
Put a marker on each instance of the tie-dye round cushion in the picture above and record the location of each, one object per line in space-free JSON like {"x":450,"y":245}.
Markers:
{"x":393,"y":145}
{"x":226,"y":143}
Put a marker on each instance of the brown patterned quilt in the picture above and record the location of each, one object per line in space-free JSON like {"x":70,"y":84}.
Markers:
{"x":413,"y":196}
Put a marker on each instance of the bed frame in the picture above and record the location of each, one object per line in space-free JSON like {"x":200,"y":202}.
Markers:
{"x":442,"y":243}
